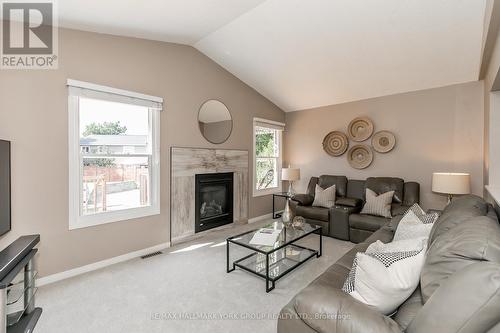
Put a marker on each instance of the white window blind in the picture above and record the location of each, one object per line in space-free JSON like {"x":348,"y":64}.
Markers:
{"x":269,"y":124}
{"x":94,"y":91}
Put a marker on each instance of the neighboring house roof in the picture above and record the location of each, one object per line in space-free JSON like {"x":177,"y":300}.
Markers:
{"x":114,"y":140}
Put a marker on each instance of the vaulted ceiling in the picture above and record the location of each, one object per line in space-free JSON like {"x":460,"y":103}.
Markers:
{"x":308,"y":53}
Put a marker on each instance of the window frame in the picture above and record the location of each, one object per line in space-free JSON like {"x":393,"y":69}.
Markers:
{"x":260,"y":122}
{"x":76,"y":219}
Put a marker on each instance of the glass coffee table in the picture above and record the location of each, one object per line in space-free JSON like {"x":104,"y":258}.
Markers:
{"x":274,"y":262}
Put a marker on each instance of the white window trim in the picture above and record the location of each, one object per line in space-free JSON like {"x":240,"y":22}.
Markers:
{"x":259,"y":193}
{"x":77,"y":221}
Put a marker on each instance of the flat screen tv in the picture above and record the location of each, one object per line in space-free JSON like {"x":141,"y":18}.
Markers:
{"x":5,"y":213}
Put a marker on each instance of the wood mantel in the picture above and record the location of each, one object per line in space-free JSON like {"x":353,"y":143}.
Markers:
{"x":185,"y":164}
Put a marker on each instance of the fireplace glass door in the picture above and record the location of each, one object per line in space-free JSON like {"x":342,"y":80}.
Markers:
{"x":214,"y":200}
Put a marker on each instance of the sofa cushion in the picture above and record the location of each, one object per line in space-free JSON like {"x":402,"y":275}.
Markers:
{"x":468,"y":302}
{"x":409,"y":309}
{"x":290,"y":321}
{"x":340,"y":183}
{"x":395,"y":222}
{"x":366,"y":222}
{"x":458,"y":211}
{"x":312,"y":185}
{"x":385,"y":184}
{"x":358,"y":235}
{"x":475,"y":239}
{"x":349,"y":202}
{"x":494,"y":329}
{"x":303,"y":199}
{"x":384,"y":234}
{"x":336,"y":274}
{"x":348,"y":258}
{"x":333,"y":277}
{"x":399,"y":209}
{"x":327,"y":309}
{"x":315,"y":213}
{"x":411,"y":193}
{"x":356,"y":189}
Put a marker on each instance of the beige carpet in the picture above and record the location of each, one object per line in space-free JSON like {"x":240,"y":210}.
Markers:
{"x":186,"y":289}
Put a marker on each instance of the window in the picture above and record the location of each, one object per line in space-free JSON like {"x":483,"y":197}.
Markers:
{"x":113,"y":154}
{"x":267,"y":156}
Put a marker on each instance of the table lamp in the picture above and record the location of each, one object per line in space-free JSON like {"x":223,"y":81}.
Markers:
{"x":451,"y":183}
{"x":290,"y":174}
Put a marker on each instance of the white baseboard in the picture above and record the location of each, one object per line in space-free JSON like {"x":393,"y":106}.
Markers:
{"x":97,"y":265}
{"x":262,"y":217}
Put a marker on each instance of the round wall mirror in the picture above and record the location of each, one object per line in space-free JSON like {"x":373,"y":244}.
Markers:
{"x":215,"y":121}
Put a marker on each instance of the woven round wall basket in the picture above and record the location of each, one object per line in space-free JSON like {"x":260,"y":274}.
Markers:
{"x":383,"y":141}
{"x":360,"y":129}
{"x":335,"y":143}
{"x":360,"y":156}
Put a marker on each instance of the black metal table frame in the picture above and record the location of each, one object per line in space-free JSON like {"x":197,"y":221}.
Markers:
{"x":283,"y":195}
{"x":266,"y":276}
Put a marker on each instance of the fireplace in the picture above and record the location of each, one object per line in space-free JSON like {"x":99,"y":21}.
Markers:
{"x":213,"y":200}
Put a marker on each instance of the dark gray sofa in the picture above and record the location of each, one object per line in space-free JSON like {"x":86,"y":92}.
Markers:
{"x":343,"y":221}
{"x":459,"y":288}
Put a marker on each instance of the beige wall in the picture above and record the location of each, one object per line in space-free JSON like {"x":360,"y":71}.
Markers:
{"x":489,"y":71}
{"x":436,"y":130}
{"x":34,"y":116}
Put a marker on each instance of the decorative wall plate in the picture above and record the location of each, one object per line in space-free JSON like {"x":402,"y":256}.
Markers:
{"x":360,"y":156}
{"x":335,"y":143}
{"x":360,"y":129}
{"x":383,"y":141}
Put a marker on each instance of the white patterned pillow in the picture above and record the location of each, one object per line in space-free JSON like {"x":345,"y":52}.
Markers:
{"x":378,"y":205}
{"x":324,"y":197}
{"x":415,"y":224}
{"x":386,"y":274}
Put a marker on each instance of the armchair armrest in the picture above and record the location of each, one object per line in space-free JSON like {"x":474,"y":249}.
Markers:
{"x":349,"y":202}
{"x":327,"y":309}
{"x":339,"y":217}
{"x":303,"y":199}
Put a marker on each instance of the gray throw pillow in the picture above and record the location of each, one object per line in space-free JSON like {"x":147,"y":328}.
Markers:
{"x":378,"y":205}
{"x":324,"y":197}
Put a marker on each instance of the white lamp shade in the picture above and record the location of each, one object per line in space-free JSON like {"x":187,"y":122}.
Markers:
{"x":290,"y":174}
{"x":451,"y":183}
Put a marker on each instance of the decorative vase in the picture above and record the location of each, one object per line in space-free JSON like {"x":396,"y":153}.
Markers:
{"x":286,"y":217}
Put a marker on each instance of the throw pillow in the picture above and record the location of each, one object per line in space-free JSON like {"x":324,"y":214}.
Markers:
{"x":378,"y":205}
{"x":324,"y":197}
{"x":415,"y":224}
{"x":386,"y":274}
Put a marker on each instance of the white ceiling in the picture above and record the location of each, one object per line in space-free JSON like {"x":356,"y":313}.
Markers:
{"x":176,"y":21}
{"x":308,"y":53}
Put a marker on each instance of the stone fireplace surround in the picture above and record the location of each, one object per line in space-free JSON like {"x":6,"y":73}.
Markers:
{"x":185,"y":164}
